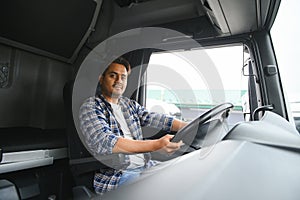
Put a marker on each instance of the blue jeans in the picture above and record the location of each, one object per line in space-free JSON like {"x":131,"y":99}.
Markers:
{"x":129,"y":175}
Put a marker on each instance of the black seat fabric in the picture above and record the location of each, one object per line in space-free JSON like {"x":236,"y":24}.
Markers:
{"x":82,"y":163}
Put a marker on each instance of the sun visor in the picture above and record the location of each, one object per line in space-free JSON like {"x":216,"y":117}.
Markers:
{"x":235,"y":16}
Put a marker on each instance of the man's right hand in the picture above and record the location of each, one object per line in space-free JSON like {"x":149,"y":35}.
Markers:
{"x":162,"y":144}
{"x":167,"y":146}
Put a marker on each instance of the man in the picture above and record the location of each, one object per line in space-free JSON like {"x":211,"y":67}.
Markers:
{"x":112,"y":124}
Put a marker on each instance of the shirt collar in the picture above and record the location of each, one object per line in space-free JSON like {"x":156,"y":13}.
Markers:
{"x":106,"y":102}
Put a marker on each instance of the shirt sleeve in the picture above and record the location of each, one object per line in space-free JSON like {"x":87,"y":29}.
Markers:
{"x":95,"y":128}
{"x":156,"y":120}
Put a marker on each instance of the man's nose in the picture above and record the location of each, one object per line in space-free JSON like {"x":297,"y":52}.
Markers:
{"x":118,"y":79}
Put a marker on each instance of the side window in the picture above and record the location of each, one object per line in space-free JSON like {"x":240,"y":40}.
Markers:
{"x":285,"y":36}
{"x":187,"y":83}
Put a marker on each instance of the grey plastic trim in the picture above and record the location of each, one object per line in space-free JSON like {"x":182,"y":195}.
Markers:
{"x":58,"y":153}
{"x":90,"y":29}
{"x":271,"y":130}
{"x":16,"y":166}
{"x":217,"y":14}
{"x":15,"y":161}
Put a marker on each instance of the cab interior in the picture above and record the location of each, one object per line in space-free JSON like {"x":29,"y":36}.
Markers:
{"x":42,"y":47}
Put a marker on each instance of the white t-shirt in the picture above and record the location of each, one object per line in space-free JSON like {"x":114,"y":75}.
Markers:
{"x":136,"y":160}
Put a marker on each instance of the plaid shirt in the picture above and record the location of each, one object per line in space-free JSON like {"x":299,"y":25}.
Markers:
{"x":101,"y":132}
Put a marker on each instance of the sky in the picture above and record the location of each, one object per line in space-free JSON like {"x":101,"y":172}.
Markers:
{"x":221,"y":59}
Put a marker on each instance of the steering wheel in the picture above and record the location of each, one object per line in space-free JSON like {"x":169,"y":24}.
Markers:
{"x":189,"y":132}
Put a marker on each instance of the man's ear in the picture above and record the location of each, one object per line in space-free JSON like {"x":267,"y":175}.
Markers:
{"x":101,"y":79}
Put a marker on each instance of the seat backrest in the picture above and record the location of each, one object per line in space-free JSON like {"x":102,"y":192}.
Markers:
{"x":82,"y":163}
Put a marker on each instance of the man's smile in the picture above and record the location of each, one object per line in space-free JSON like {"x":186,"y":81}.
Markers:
{"x":118,"y":86}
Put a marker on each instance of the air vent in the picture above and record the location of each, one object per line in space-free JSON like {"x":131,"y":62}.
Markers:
{"x":4,"y":75}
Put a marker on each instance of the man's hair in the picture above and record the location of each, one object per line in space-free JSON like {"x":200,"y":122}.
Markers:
{"x":121,"y":61}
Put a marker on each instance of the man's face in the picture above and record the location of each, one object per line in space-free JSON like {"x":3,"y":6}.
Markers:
{"x":114,"y":81}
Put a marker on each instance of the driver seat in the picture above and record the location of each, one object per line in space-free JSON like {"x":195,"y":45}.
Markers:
{"x":82,"y":164}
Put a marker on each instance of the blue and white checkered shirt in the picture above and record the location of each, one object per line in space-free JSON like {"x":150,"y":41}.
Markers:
{"x":101,"y":132}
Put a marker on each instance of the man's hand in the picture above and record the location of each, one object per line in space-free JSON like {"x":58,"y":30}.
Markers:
{"x":162,"y":144}
{"x":167,"y":146}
